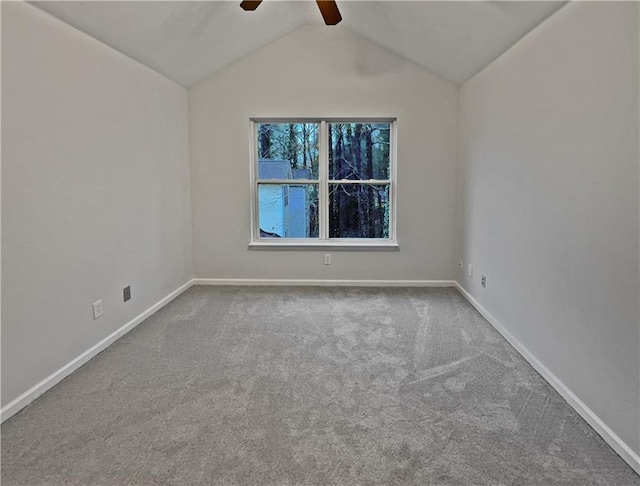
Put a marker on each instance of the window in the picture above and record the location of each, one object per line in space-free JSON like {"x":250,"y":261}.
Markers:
{"x":323,"y":183}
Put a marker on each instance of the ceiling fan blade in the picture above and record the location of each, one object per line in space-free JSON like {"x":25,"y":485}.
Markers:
{"x":250,"y":4}
{"x":329,"y":11}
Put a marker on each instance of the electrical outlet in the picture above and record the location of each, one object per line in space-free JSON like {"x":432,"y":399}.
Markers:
{"x":483,"y":281}
{"x":460,"y":264}
{"x":126,"y":293}
{"x":97,"y":310}
{"x":470,"y":270}
{"x":327,"y":258}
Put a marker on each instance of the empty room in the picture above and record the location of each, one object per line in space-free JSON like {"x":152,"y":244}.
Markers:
{"x":320,"y":243}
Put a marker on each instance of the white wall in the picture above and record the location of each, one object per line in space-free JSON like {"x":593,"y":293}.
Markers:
{"x":95,"y":192}
{"x":548,"y":189}
{"x":322,"y":72}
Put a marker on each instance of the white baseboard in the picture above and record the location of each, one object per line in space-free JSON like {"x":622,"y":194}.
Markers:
{"x":30,"y":395}
{"x":324,"y":283}
{"x":616,"y":443}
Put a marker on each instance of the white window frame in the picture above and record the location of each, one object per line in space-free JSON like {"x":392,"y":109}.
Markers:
{"x":323,"y":241}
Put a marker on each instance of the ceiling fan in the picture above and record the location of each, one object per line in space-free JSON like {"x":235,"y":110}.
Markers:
{"x":328,"y":9}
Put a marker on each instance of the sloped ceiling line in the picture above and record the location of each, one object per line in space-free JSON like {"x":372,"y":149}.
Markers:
{"x":188,"y":41}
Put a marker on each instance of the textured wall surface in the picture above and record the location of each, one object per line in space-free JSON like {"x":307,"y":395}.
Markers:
{"x":549,"y":206}
{"x":95,"y":193}
{"x":320,"y":72}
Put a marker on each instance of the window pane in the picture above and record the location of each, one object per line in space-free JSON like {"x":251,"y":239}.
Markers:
{"x":358,"y":211}
{"x":288,"y":150}
{"x":288,"y":210}
{"x":359,"y":151}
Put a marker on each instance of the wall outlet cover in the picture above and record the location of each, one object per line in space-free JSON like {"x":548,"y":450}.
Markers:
{"x":97,"y":310}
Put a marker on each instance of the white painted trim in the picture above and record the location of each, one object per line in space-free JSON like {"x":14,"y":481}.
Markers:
{"x":323,"y":241}
{"x":34,"y":392}
{"x":324,"y":245}
{"x":323,"y":174}
{"x":611,"y":438}
{"x":323,"y":283}
{"x":253,"y":185}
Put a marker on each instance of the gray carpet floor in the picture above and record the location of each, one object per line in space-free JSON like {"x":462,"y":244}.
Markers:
{"x":307,"y":386}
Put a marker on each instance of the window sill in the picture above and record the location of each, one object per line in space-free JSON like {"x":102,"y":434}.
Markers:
{"x":326,"y":245}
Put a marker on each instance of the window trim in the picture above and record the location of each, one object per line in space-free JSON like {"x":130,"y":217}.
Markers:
{"x":323,"y":241}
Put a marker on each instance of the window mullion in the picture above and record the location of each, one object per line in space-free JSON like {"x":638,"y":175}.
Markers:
{"x":323,"y":173}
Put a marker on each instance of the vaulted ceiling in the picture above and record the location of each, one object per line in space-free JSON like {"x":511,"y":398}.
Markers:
{"x":187,"y":41}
